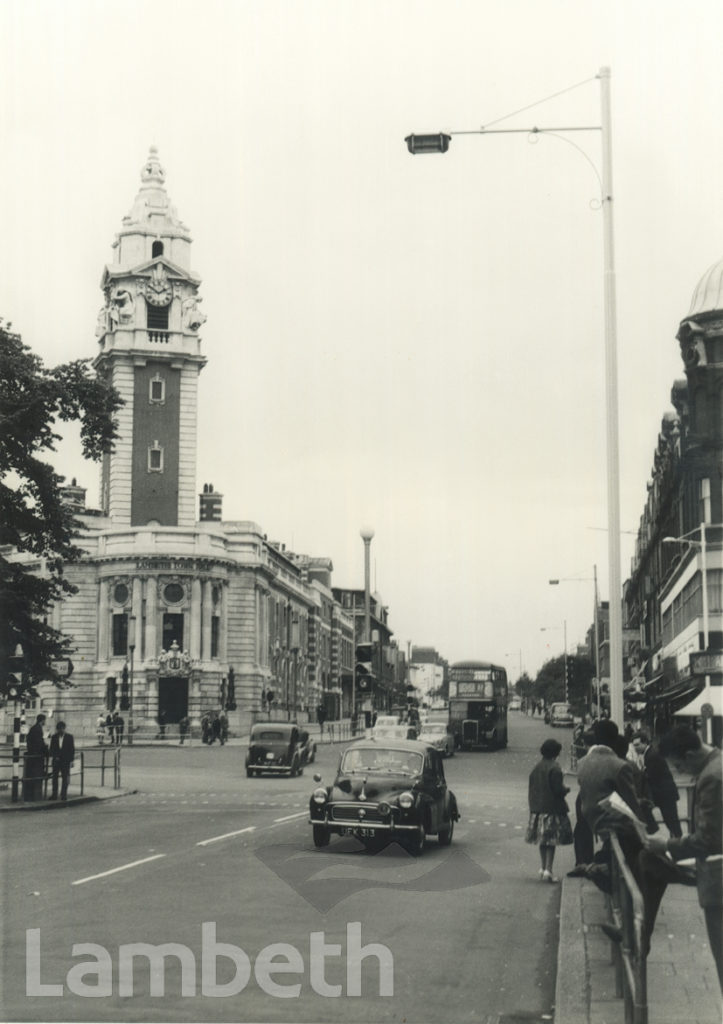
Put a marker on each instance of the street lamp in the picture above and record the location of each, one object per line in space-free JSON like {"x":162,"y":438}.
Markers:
{"x":596,"y":626}
{"x":439,"y":143}
{"x":131,"y":650}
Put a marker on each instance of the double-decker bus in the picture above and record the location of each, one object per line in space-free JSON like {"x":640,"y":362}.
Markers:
{"x":478,"y":704}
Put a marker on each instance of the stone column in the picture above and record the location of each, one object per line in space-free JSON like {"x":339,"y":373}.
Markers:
{"x":223,"y":625}
{"x":151,"y":618}
{"x":103,"y":620}
{"x":195,"y":625}
{"x":206,"y":626}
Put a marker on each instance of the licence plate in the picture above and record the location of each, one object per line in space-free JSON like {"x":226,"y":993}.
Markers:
{"x":367,"y":833}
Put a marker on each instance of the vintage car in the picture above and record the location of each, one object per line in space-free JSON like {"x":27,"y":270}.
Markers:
{"x":280,"y":748}
{"x":561,"y":714}
{"x":437,"y":735}
{"x":383,"y":790}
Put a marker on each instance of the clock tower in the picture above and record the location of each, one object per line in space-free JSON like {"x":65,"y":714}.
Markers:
{"x":150,"y":351}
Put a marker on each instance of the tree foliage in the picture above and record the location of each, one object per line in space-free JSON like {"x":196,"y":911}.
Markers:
{"x":34,"y":523}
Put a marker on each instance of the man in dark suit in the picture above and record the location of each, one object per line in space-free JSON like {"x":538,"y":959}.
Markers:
{"x":689,"y":755}
{"x":62,"y":754}
{"x":37,"y":750}
{"x":661,"y":785}
{"x":600,"y":774}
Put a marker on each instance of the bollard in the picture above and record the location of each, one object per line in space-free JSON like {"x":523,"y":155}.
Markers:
{"x":82,"y":772}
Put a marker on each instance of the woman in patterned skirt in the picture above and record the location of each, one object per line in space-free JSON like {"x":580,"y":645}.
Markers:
{"x":549,"y":825}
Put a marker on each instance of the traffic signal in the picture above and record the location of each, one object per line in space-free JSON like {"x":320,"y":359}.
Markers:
{"x":364,"y":667}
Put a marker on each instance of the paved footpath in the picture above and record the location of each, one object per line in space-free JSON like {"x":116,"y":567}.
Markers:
{"x":682,"y":980}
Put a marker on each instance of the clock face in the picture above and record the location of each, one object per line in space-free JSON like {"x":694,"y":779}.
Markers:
{"x":159,"y":297}
{"x":159,"y":290}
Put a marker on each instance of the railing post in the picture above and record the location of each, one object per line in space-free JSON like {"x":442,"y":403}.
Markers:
{"x":102,"y":767}
{"x":82,"y":772}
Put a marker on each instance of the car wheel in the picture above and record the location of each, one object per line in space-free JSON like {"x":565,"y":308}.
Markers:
{"x":249,"y":773}
{"x":321,"y":836}
{"x":416,"y":843}
{"x":444,"y":837}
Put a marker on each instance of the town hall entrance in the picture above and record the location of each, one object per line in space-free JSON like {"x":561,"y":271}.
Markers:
{"x":173,"y":698}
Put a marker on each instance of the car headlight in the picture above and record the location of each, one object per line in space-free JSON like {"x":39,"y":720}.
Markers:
{"x":406,"y":800}
{"x":319,"y":795}
{"x":384,"y":809}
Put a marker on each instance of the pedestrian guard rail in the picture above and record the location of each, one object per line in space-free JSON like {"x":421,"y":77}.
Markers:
{"x":93,"y":766}
{"x":629,"y":956}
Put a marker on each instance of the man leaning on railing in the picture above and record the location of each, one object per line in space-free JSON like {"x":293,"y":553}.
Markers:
{"x":689,"y":755}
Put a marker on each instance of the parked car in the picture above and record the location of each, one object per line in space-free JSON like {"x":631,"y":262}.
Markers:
{"x":386,"y":789}
{"x":437,"y":735}
{"x":278,"y":748}
{"x":561,"y":714}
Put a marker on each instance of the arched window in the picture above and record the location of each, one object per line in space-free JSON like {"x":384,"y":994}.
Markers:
{"x":157,"y":249}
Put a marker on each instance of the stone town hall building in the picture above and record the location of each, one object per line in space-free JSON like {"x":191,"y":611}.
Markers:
{"x":179,"y":613}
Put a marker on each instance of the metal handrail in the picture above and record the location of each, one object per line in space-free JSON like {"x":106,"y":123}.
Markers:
{"x":631,"y":980}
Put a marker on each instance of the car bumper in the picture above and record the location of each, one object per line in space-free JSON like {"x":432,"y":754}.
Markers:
{"x":352,"y":827}
{"x":269,"y":767}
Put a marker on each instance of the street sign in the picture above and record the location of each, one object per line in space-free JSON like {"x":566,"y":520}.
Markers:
{"x":62,"y":667}
{"x":706,"y":663}
{"x":707,"y":711}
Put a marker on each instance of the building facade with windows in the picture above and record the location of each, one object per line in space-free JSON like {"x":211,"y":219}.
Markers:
{"x":674,"y":596}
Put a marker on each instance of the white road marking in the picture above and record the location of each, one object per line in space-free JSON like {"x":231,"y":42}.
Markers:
{"x":226,"y":835}
{"x":288,"y":817}
{"x":113,"y":871}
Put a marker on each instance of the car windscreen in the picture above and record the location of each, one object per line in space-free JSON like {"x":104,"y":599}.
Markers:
{"x":269,"y":736}
{"x":384,"y":760}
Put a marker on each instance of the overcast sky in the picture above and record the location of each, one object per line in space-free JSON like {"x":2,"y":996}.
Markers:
{"x":415,"y":344}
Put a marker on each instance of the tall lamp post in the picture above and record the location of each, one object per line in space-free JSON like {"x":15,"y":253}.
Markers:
{"x":439,"y":143}
{"x":366,"y":533}
{"x":596,"y":625}
{"x":131,"y":652}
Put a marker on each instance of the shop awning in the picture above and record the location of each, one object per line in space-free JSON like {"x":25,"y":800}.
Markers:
{"x":711,"y":696}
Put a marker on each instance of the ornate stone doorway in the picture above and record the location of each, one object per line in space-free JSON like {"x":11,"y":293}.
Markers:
{"x":173,"y":697}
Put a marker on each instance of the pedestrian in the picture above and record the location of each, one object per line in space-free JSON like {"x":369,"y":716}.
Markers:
{"x":621,"y":746}
{"x":161,"y":734}
{"x":689,"y":755}
{"x":321,"y":717}
{"x":62,"y":755}
{"x":205,"y":729}
{"x":600,"y":775}
{"x":110,"y":727}
{"x":100,"y":729}
{"x":549,"y":824}
{"x":215,"y":728}
{"x":183,"y":729}
{"x":119,"y":726}
{"x":37,"y":751}
{"x":223,"y":720}
{"x":660,"y":782}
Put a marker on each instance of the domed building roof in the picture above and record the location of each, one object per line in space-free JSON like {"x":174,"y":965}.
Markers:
{"x":708,"y":296}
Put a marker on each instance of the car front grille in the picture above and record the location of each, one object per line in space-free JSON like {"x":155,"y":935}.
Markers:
{"x":350,"y":813}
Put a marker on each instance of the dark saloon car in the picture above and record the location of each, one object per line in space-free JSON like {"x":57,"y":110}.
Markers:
{"x":278,"y":747}
{"x":386,"y":789}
